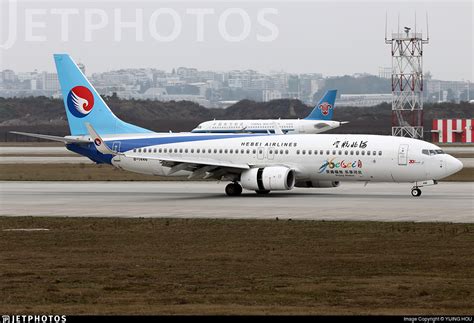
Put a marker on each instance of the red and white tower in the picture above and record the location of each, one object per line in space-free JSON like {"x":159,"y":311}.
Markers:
{"x":407,"y":82}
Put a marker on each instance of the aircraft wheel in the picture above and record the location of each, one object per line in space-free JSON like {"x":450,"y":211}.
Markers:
{"x":233,"y":189}
{"x":262,"y":192}
{"x":416,"y":192}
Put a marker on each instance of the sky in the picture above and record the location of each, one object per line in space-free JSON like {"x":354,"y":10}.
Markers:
{"x":328,"y":37}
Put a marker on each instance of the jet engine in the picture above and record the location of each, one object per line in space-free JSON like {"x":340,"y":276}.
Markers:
{"x":321,"y":184}
{"x":273,"y":178}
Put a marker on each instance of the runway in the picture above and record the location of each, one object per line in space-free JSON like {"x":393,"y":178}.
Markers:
{"x":445,"y":202}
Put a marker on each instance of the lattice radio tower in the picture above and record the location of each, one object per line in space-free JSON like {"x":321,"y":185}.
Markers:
{"x":407,"y":80}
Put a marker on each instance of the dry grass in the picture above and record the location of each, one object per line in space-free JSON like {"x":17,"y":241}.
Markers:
{"x":93,"y":172}
{"x":156,"y":266}
{"x":72,"y":172}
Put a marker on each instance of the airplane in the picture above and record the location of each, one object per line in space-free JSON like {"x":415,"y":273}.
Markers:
{"x":256,"y":162}
{"x":319,"y":120}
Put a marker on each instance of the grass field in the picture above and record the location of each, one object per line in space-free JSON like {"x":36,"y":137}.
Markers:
{"x":160,"y":266}
{"x":92,"y":172}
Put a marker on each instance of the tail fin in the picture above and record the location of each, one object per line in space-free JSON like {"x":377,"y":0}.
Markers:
{"x":325,"y":108}
{"x":83,"y":103}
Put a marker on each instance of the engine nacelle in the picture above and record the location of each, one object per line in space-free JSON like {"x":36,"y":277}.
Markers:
{"x":321,"y":184}
{"x":273,"y":178}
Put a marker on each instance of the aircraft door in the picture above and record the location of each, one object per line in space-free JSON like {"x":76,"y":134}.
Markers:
{"x":270,"y":153}
{"x":300,"y":128}
{"x":403,"y":155}
{"x":116,"y":148}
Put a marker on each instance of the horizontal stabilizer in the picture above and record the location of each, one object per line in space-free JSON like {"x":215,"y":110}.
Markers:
{"x":65,"y":140}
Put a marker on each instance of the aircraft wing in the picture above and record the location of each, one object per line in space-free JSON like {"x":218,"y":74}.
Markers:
{"x":201,"y":167}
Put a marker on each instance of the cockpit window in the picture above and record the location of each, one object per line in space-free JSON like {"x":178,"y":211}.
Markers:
{"x":432,"y":152}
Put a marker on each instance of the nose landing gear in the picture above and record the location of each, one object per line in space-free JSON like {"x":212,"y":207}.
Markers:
{"x":415,"y":191}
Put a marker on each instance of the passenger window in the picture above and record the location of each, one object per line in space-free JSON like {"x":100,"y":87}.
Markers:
{"x":215,"y":151}
{"x":134,"y":150}
{"x":380,"y":153}
{"x":176,"y":150}
{"x":180,"y":150}
{"x":281,"y":152}
{"x":159,"y":150}
{"x":425,"y":152}
{"x":374,"y":153}
{"x":220,"y":151}
{"x":154,"y":150}
{"x":198,"y":151}
{"x":139,"y":150}
{"x":357,"y":152}
{"x":304,"y":152}
{"x":321,"y":152}
{"x":362,"y":152}
{"x":327,"y":152}
{"x":368,"y":153}
{"x":286,"y":152}
{"x":352,"y":152}
{"x":276,"y":152}
{"x":340,"y":152}
{"x":254,"y":151}
{"x":209,"y":150}
{"x":186,"y":150}
{"x":270,"y":151}
{"x":248,"y":151}
{"x":315,"y":152}
{"x":242,"y":151}
{"x":297,"y":152}
{"x":333,"y":152}
{"x":346,"y":152}
{"x":225,"y":151}
{"x":309,"y":152}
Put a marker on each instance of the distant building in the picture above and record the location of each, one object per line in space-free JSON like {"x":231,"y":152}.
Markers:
{"x":452,"y":130}
{"x":385,"y":72}
{"x":268,"y":95}
{"x":50,"y":81}
{"x":8,"y":76}
{"x":82,"y":67}
{"x":363,"y":100}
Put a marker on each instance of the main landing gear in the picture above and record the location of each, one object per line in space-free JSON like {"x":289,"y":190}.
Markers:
{"x":415,"y":191}
{"x":233,"y":189}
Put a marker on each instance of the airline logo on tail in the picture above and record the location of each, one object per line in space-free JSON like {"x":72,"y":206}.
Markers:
{"x":80,"y":101}
{"x":325,"y":107}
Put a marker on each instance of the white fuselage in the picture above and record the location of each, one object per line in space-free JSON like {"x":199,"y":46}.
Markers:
{"x":323,"y":157}
{"x":290,"y":126}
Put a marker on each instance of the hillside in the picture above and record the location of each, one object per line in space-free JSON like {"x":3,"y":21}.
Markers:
{"x":46,"y":115}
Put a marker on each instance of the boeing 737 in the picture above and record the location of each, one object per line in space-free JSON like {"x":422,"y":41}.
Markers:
{"x":258,"y":162}
{"x":319,"y":120}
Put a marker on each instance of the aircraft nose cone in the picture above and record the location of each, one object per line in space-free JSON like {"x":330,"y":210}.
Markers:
{"x":453,"y":165}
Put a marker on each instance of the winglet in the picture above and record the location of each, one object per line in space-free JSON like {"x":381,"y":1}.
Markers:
{"x":277,"y":129}
{"x":98,"y":142}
